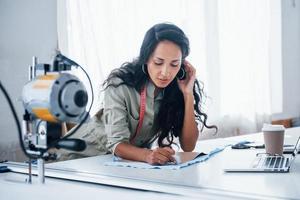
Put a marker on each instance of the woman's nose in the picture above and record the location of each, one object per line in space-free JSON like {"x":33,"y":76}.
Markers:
{"x":165,"y":70}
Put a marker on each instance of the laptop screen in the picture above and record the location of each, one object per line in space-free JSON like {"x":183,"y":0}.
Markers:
{"x":297,"y":147}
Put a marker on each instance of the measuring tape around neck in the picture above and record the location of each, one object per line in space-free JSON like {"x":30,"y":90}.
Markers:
{"x":142,"y":113}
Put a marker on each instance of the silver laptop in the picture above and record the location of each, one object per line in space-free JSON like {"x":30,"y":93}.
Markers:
{"x":267,"y":163}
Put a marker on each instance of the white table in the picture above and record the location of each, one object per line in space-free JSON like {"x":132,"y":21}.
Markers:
{"x":206,"y":180}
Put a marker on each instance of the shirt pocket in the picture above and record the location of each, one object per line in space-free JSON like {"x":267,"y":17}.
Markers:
{"x":132,"y":124}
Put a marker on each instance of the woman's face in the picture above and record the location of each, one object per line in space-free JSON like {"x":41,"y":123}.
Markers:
{"x":164,"y":63}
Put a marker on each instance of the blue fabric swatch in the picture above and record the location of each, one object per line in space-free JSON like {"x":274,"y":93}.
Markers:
{"x":141,"y":165}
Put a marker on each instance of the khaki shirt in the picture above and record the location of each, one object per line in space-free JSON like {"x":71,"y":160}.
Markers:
{"x":117,"y":121}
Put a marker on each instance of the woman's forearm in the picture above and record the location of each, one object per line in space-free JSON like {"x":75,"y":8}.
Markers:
{"x":130,"y":152}
{"x":159,"y":155}
{"x":190,"y":131}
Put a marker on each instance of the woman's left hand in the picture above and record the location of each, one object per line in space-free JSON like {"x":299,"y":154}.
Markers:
{"x":186,"y":85}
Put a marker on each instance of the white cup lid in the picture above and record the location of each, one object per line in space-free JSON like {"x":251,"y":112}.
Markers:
{"x":271,"y":127}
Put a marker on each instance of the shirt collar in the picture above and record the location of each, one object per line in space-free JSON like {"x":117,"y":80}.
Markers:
{"x":150,"y":91}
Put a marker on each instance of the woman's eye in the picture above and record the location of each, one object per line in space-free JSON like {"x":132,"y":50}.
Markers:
{"x":158,"y":63}
{"x":174,"y":65}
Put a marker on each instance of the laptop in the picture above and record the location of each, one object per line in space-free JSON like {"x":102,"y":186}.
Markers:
{"x":267,"y":163}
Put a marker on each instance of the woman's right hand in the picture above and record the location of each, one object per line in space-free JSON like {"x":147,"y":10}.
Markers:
{"x":160,"y":156}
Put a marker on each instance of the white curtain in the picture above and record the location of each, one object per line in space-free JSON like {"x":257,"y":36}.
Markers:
{"x":244,"y":63}
{"x":234,"y":44}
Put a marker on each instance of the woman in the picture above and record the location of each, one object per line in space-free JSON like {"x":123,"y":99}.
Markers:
{"x":154,"y":97}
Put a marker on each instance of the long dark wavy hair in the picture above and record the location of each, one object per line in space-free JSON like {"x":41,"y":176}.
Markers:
{"x":171,"y":112}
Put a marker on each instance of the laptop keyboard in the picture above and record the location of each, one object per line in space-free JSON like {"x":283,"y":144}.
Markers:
{"x":271,"y":162}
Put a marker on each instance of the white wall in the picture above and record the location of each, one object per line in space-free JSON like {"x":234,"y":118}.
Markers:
{"x":28,"y":28}
{"x":290,"y":59}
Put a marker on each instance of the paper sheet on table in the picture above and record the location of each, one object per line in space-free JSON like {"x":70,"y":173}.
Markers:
{"x":184,"y":159}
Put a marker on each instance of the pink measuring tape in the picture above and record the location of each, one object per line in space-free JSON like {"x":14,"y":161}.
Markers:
{"x":142,"y":113}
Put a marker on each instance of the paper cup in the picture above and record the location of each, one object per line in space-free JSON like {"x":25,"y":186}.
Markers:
{"x":273,"y":138}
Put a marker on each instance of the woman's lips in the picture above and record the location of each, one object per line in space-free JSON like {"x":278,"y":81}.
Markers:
{"x":163,"y":80}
